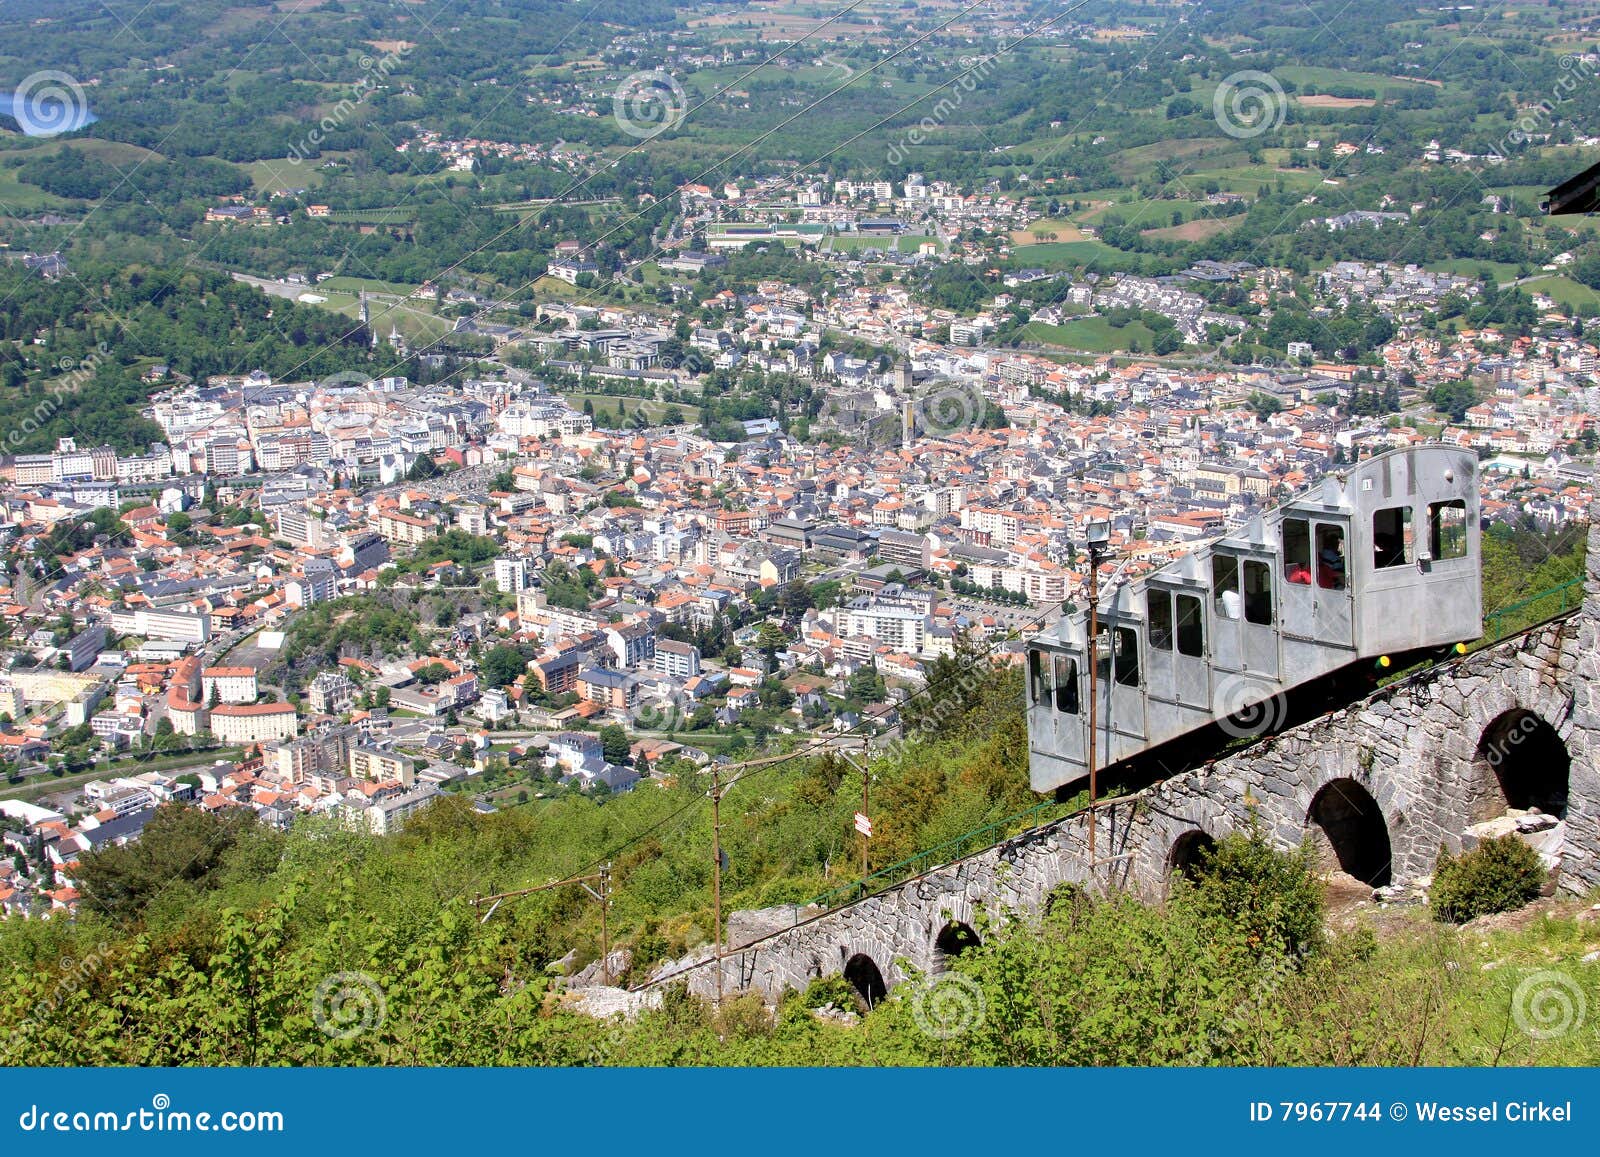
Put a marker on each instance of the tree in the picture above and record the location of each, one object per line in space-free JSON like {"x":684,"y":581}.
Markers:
{"x":866,"y":686}
{"x":502,"y":665}
{"x":179,"y":845}
{"x":432,"y":674}
{"x":1273,"y":897}
{"x":1265,"y":405}
{"x":1454,"y":398}
{"x":614,"y":743}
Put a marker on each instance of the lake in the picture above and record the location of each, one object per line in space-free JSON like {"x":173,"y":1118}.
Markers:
{"x":49,"y":118}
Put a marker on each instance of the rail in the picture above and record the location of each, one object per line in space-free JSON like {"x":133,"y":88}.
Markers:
{"x":859,"y":889}
{"x":1570,"y":595}
{"x":959,"y":848}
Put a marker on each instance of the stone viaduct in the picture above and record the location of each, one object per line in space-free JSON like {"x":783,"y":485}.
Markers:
{"x":1379,"y":786}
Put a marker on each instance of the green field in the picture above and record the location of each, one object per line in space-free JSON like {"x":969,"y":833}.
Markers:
{"x":1091,"y":335}
{"x":1066,"y":254}
{"x":605,"y":403}
{"x":17,"y":198}
{"x":1469,"y":267}
{"x":276,"y":176}
{"x":907,"y":243}
{"x":1307,"y":77}
{"x":1563,"y":290}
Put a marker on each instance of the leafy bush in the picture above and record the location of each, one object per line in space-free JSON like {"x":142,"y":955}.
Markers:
{"x":1272,"y":897}
{"x":1496,"y":876}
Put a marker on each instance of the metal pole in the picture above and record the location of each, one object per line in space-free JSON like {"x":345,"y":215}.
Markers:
{"x":716,"y":873}
{"x":1094,"y":692}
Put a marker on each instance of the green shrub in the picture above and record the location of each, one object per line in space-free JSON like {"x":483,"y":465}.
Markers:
{"x":1272,"y":897}
{"x":1496,"y":876}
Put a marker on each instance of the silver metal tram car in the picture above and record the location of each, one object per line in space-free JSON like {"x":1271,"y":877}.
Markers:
{"x":1377,"y":559}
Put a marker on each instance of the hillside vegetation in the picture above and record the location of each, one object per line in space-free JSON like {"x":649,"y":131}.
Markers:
{"x":220,"y":941}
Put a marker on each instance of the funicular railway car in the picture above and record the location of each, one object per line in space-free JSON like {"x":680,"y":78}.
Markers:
{"x":1378,"y":559}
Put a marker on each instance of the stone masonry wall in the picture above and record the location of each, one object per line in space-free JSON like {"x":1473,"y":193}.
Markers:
{"x":1411,"y":751}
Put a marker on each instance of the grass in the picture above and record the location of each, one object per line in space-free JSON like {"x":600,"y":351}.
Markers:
{"x":357,"y":284}
{"x":907,"y":243}
{"x":1065,"y":254}
{"x":1139,"y":163}
{"x":277,"y":176}
{"x":1470,"y":267}
{"x":652,"y":410}
{"x":17,"y":198}
{"x":1563,"y":290}
{"x":1091,"y":334}
{"x":1308,"y":76}
{"x":1195,"y":229}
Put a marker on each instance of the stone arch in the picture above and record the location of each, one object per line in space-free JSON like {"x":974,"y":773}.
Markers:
{"x":1349,"y":833}
{"x":866,"y":978}
{"x":954,"y":938}
{"x":1521,"y":762}
{"x":1188,"y":851}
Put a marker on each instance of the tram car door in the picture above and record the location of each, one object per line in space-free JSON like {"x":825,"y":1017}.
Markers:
{"x":1315,"y":589}
{"x":1178,"y":675}
{"x":1059,"y":723}
{"x":1120,"y":683}
{"x":1244,"y":617}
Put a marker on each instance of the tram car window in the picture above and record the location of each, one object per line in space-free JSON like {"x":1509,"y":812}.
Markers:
{"x":1066,"y":680}
{"x":1225,"y":585}
{"x":1391,"y":537}
{"x":1379,"y":558}
{"x":1159,"y":616}
{"x":1191,"y":634}
{"x":1447,"y":523}
{"x":1257,"y":593}
{"x":1297,"y":551}
{"x":1330,"y":557}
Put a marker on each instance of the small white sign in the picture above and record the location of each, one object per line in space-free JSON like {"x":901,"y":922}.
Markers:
{"x":863,"y":825}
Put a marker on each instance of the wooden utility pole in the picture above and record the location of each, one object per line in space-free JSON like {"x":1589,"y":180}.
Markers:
{"x":866,"y":781}
{"x":716,"y":872}
{"x":1094,"y":690}
{"x":1098,"y":540}
{"x":605,"y":933}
